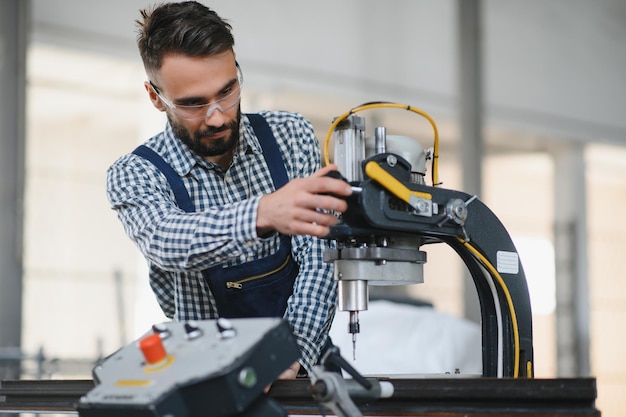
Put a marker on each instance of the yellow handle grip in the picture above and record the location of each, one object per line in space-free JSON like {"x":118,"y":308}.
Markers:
{"x":395,"y":187}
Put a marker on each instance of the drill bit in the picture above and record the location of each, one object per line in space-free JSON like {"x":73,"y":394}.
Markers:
{"x":354,"y":328}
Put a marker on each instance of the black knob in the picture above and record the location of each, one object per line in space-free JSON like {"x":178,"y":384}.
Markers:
{"x":192,"y":331}
{"x":162,"y":330}
{"x":225,"y":328}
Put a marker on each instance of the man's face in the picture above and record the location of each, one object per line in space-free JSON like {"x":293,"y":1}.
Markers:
{"x":207,"y":141}
{"x":186,"y":87}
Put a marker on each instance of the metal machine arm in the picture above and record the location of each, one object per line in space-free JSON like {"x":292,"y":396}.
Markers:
{"x":389,"y":205}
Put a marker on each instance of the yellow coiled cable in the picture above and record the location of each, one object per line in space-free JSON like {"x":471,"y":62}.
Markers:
{"x":376,"y":105}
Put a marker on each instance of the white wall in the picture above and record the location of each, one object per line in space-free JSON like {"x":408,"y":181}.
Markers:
{"x":552,"y":67}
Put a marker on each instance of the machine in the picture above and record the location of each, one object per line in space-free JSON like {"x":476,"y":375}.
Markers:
{"x":220,"y":368}
{"x":188,"y":369}
{"x":223,"y":367}
{"x":393,"y":213}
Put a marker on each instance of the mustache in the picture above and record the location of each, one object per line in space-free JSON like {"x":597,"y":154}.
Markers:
{"x":211,"y":130}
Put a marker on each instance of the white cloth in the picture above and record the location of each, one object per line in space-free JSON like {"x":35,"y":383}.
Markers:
{"x":400,"y":339}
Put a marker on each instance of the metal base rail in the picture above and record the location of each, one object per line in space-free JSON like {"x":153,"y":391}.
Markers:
{"x":421,"y":396}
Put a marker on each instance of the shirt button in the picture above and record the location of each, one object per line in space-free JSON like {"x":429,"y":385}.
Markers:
{"x":249,"y":244}
{"x":250,"y":258}
{"x":218,"y":259}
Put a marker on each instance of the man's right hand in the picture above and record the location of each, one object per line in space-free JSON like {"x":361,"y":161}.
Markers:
{"x":301,"y":206}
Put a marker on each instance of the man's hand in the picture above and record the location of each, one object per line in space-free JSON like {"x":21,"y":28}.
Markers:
{"x":296,"y":208}
{"x":289,"y":373}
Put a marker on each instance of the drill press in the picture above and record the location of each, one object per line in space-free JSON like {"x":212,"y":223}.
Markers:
{"x":392,"y":213}
{"x":373,"y":258}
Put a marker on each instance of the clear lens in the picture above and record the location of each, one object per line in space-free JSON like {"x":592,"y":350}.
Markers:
{"x":206,"y":110}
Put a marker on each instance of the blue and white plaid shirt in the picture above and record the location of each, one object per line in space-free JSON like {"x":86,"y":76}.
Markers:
{"x":179,"y":245}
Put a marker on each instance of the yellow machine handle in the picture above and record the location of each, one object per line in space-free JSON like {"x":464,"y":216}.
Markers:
{"x":395,"y":187}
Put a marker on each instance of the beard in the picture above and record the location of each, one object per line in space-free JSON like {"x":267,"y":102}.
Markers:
{"x":215,"y":147}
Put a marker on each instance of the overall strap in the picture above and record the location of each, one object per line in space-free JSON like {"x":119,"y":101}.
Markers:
{"x":271,"y":152}
{"x":272,"y":156}
{"x":178,"y":187}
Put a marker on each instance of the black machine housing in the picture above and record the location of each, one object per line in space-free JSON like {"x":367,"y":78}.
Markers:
{"x":468,"y":226}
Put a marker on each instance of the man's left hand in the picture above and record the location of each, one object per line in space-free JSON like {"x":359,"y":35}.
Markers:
{"x":289,"y":373}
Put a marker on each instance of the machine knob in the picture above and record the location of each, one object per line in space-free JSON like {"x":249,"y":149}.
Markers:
{"x":225,"y":328}
{"x":152,"y":348}
{"x":162,"y":330}
{"x":192,"y":331}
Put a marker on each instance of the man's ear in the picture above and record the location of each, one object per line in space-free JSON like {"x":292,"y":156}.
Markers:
{"x":154,"y":98}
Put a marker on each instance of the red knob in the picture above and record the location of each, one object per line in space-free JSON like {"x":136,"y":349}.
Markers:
{"x":152,"y":348}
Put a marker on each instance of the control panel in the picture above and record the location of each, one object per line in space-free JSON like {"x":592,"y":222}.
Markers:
{"x":196,"y":368}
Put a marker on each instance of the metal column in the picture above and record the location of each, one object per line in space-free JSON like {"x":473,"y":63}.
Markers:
{"x":570,"y":246}
{"x":471,"y":113}
{"x":13,"y":39}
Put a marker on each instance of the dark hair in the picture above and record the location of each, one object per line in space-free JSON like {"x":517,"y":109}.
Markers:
{"x":187,"y":28}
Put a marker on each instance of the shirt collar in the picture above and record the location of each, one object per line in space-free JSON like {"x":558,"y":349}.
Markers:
{"x":250,"y":144}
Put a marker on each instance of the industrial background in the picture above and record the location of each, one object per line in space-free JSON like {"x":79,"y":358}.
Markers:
{"x":529,"y":98}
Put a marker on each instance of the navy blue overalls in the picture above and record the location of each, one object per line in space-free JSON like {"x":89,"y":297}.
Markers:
{"x":258,"y":288}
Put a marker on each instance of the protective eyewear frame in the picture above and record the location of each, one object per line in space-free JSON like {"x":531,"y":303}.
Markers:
{"x":212,"y":106}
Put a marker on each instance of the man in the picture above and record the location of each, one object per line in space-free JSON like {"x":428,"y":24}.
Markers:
{"x":230,"y":210}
